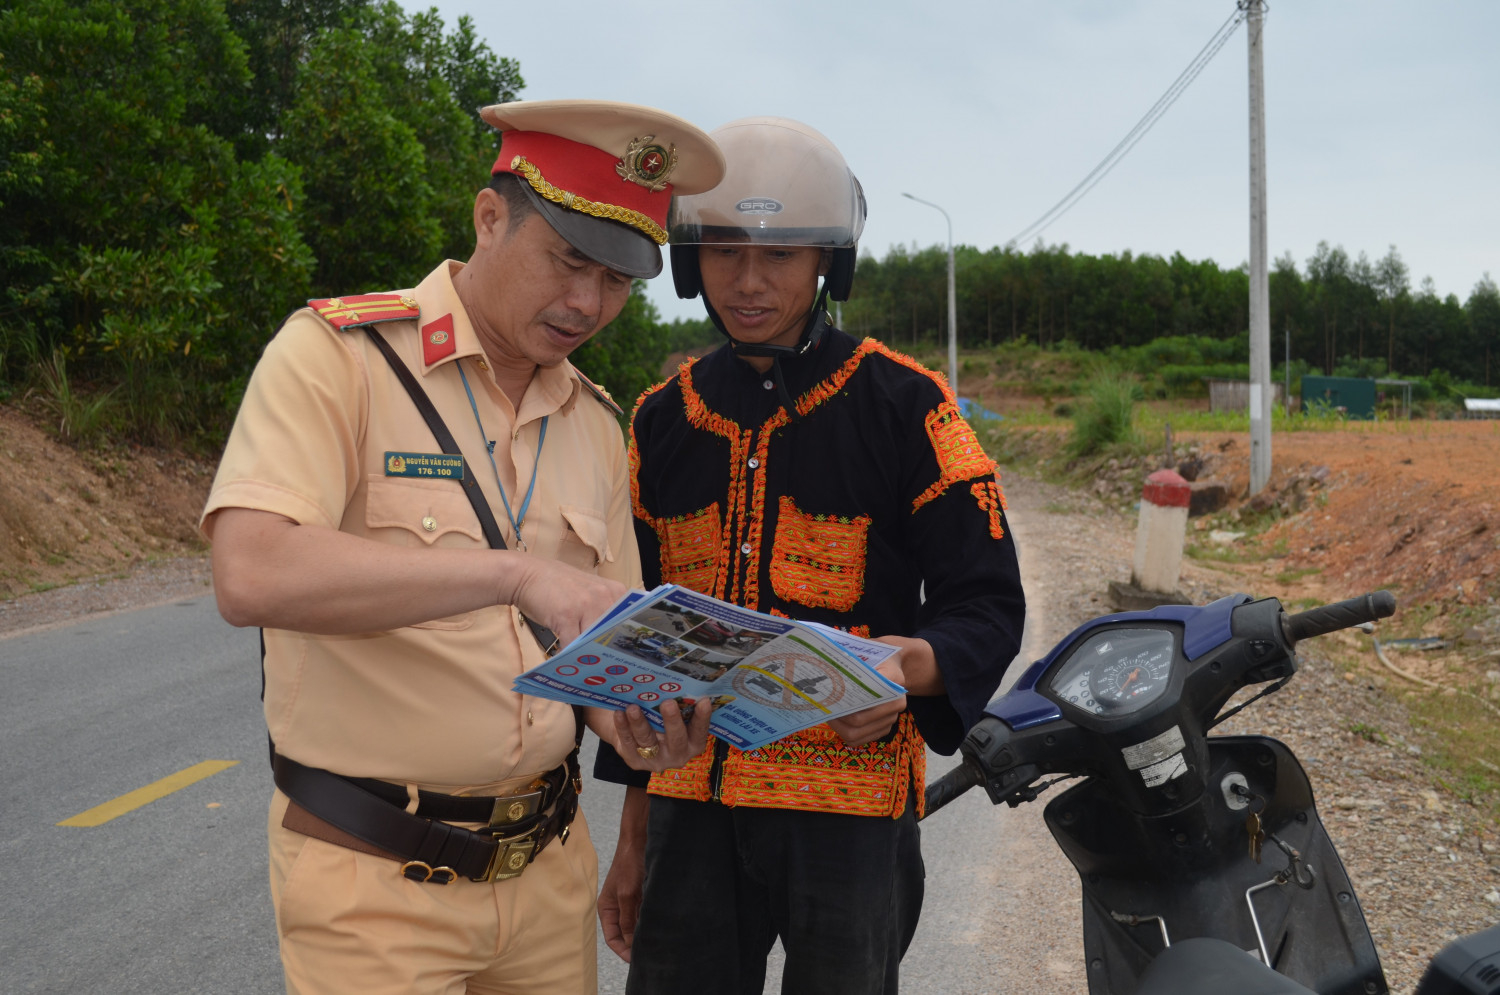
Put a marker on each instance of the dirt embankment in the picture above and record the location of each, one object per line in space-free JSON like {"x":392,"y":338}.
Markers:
{"x":68,"y":515}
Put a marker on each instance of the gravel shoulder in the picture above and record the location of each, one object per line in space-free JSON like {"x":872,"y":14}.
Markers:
{"x":1426,"y":863}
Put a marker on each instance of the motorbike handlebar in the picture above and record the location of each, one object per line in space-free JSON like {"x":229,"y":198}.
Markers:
{"x":1339,"y":615}
{"x":952,"y":784}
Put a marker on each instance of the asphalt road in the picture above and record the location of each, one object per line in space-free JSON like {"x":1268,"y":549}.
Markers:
{"x":172,"y":896}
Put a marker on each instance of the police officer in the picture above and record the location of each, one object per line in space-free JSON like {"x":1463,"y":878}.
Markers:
{"x":424,"y":834}
{"x":801,"y":472}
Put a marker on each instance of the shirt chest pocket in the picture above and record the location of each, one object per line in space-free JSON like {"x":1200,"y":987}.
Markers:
{"x":585,"y":538}
{"x":428,"y":511}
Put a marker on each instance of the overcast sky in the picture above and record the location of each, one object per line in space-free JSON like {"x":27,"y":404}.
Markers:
{"x":1383,"y":118}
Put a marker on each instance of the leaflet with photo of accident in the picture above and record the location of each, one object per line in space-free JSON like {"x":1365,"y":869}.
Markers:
{"x":765,"y":677}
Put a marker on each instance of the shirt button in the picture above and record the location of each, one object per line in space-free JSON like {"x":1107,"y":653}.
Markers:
{"x":484,"y":366}
{"x":529,"y":718}
{"x":769,"y":385}
{"x":746,"y":549}
{"x":752,"y":462}
{"x":429,"y":523}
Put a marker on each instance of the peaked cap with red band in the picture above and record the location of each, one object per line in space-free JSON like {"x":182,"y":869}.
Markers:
{"x":603,"y":173}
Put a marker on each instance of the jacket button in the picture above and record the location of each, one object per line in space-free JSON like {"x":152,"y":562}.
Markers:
{"x":746,"y":549}
{"x":752,"y":463}
{"x":429,"y":523}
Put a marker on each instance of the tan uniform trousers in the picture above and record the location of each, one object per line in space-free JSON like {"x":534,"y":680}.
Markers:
{"x":349,"y":922}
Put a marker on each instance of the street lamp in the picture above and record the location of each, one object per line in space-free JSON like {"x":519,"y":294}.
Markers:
{"x":952,"y":299}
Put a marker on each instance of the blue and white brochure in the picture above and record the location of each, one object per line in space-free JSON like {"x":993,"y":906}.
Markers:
{"x":765,"y":677}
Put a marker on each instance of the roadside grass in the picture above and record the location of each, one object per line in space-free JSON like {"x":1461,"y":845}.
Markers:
{"x":1465,"y":745}
{"x":1294,"y":575}
{"x":1459,"y":737}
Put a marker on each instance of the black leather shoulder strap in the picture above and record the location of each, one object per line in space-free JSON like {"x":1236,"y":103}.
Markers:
{"x":446,"y":442}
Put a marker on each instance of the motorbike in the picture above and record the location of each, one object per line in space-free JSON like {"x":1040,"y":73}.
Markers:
{"x":1203,"y":862}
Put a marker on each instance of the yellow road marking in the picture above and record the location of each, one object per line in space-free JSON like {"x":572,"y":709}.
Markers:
{"x":132,"y":800}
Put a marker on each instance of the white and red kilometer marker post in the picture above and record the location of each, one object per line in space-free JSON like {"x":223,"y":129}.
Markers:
{"x":1159,"y":536}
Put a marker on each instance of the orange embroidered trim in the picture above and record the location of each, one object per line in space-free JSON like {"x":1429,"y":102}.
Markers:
{"x":690,"y":548}
{"x":812,"y":770}
{"x":959,"y":454}
{"x":992,"y":500}
{"x":690,"y":781}
{"x":816,"y":770}
{"x":862,"y":631}
{"x":744,"y":514}
{"x":633,"y":456}
{"x":777,"y":612}
{"x":699,"y":416}
{"x":818,"y":560}
{"x":911,"y":364}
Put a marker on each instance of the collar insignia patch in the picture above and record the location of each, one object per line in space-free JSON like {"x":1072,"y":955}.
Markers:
{"x":437,"y":340}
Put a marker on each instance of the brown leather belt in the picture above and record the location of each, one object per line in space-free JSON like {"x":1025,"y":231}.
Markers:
{"x":370,"y":816}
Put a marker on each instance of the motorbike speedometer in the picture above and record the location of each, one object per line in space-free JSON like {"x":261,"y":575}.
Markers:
{"x":1116,"y":671}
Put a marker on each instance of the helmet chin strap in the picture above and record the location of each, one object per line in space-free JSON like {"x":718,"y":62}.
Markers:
{"x":813,"y":331}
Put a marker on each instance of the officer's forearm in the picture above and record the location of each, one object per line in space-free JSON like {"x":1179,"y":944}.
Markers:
{"x":271,"y":571}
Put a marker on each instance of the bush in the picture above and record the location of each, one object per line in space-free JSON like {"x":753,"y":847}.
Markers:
{"x":1105,"y":416}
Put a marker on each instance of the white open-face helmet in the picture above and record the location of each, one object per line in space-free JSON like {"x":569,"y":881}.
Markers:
{"x":785,"y":184}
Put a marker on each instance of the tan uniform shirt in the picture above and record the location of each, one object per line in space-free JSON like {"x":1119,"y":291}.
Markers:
{"x":428,"y":704}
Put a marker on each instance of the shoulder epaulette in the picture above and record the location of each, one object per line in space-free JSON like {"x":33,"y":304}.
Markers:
{"x":600,"y":394}
{"x":365,"y":309}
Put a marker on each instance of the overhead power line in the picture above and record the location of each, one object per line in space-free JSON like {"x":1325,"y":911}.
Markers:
{"x":1163,"y":104}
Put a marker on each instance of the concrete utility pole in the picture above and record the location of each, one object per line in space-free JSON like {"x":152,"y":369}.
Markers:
{"x":952,"y":299}
{"x":1260,"y":289}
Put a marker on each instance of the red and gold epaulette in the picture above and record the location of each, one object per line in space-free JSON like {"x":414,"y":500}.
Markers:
{"x":600,"y":394}
{"x":365,"y":309}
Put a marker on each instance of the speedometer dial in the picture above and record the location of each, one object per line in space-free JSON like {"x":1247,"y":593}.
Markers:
{"x":1116,"y":670}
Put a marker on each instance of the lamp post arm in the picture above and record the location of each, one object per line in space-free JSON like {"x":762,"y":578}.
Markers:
{"x":952,"y":297}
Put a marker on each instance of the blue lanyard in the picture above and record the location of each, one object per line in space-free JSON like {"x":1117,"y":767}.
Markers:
{"x":489,"y":448}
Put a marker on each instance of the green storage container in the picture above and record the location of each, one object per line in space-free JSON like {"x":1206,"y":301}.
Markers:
{"x":1353,"y":394}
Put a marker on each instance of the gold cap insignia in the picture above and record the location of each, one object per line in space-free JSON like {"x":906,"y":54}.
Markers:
{"x":648,"y":163}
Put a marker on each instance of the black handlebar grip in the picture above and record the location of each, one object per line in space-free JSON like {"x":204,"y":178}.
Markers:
{"x":1340,"y":615}
{"x":952,"y":784}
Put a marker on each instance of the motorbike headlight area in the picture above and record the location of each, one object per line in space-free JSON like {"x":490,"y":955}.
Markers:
{"x":1116,"y":671}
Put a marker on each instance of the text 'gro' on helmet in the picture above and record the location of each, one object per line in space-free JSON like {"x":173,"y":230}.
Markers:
{"x":784,"y":184}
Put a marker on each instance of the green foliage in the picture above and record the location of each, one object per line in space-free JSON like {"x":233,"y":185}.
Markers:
{"x":178,"y":174}
{"x":1150,"y":313}
{"x":1105,"y":416}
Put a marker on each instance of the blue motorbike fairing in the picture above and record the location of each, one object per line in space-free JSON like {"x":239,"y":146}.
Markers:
{"x":1204,"y":629}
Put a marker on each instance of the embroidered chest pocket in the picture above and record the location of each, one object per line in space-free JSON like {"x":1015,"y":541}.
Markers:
{"x":819,"y":560}
{"x":426,"y":509}
{"x":585,"y":538}
{"x":690,"y":549}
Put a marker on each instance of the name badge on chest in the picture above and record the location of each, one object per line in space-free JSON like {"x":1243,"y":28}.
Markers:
{"x":437,"y":465}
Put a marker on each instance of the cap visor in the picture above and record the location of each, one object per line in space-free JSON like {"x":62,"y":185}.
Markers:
{"x":609,"y":243}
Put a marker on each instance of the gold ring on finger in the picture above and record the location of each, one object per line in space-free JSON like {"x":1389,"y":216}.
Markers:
{"x":648,"y":752}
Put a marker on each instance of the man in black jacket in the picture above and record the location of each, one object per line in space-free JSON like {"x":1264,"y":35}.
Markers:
{"x":800,"y":472}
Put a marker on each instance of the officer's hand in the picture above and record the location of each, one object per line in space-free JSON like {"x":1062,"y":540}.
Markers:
{"x":620,"y":894}
{"x":675,"y":745}
{"x":872,"y":723}
{"x":564,"y":599}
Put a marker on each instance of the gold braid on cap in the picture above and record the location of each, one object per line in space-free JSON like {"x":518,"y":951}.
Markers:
{"x":624,"y":215}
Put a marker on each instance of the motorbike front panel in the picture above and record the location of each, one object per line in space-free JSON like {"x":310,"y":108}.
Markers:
{"x":1148,"y":880}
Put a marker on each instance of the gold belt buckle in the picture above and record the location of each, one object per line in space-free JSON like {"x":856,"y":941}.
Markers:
{"x":512,"y":855}
{"x":510,"y":809}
